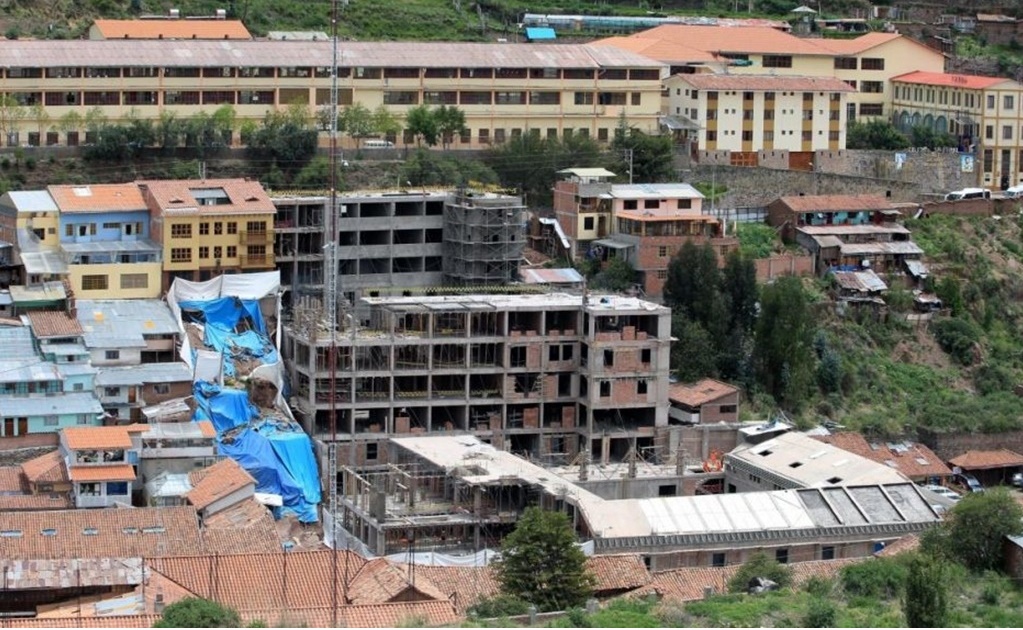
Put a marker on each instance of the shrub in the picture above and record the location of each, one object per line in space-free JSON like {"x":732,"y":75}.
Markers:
{"x":498,"y":606}
{"x":821,"y":613}
{"x":193,"y":612}
{"x":880,"y":577}
{"x":759,"y":565}
{"x":819,"y":587}
{"x":958,"y":337}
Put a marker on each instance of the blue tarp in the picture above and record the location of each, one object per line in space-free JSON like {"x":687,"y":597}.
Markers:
{"x":540,"y":33}
{"x":221,"y":318}
{"x":226,"y":312}
{"x":226,"y":408}
{"x":270,"y":457}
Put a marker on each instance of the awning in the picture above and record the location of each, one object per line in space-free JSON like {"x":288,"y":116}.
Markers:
{"x":606,"y":242}
{"x":679,"y":123}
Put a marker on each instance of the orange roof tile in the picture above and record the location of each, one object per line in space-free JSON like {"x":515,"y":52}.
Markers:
{"x":216,"y":482}
{"x":247,"y":527}
{"x":965,"y":81}
{"x":48,"y":468}
{"x":176,"y":196}
{"x":101,"y":533}
{"x":910,"y":542}
{"x":916,"y":461}
{"x":618,"y":572}
{"x":125,"y":621}
{"x":464,"y":586}
{"x":700,"y":392}
{"x":172,"y":29}
{"x":668,"y":51}
{"x":43,"y":501}
{"x":98,"y":198}
{"x":137,"y":427}
{"x":10,"y":479}
{"x":83,"y":438}
{"x":729,"y":39}
{"x":114,"y":472}
{"x":207,"y":429}
{"x":836,"y":203}
{"x":47,"y":324}
{"x":763,"y":83}
{"x":981,"y":460}
{"x":382,"y":580}
{"x":860,"y":44}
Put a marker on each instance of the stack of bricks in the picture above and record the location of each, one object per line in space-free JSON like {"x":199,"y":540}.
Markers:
{"x":531,"y":417}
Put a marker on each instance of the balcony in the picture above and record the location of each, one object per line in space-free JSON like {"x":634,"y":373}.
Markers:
{"x":255,"y":261}
{"x":246,"y":237}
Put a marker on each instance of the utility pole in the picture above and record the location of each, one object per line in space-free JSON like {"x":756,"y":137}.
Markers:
{"x":330,"y":303}
{"x":628,"y":154}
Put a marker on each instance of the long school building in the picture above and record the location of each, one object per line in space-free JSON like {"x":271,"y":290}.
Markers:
{"x":504,"y":89}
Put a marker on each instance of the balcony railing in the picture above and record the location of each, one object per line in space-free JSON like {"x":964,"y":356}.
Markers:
{"x":246,"y":237}
{"x":255,"y":261}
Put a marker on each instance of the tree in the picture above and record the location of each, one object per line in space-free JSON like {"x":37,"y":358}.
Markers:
{"x":422,"y":124}
{"x":69,"y":122}
{"x":925,"y":602}
{"x":693,"y":355}
{"x":41,"y":117}
{"x":693,"y":285}
{"x":739,"y":283}
{"x":450,"y":122}
{"x":651,"y":156}
{"x":357,"y":121}
{"x":530,"y":163}
{"x":169,"y":129}
{"x":921,"y":136}
{"x":385,"y":123}
{"x":618,"y":276}
{"x":876,"y":134}
{"x":284,"y":138}
{"x":974,"y":530}
{"x":11,"y":112}
{"x":193,"y":612}
{"x":759,"y":565}
{"x":820,"y":613}
{"x":782,"y":348}
{"x":541,"y":563}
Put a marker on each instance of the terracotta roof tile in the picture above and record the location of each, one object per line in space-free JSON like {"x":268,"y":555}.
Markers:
{"x":763,"y":83}
{"x":966,"y":81}
{"x":381,"y":580}
{"x":207,"y":429}
{"x":176,"y":196}
{"x":48,"y":468}
{"x":48,"y":324}
{"x":101,"y":533}
{"x":84,"y":438}
{"x":700,"y":392}
{"x":10,"y":479}
{"x":905,"y":544}
{"x":113,"y":472}
{"x":218,"y":481}
{"x":729,"y":39}
{"x":616,"y":573}
{"x":125,"y":621}
{"x":915,"y":460}
{"x":247,"y":527}
{"x":172,"y":29}
{"x":836,"y":203}
{"x":981,"y":460}
{"x":668,"y":51}
{"x":464,"y":586}
{"x":98,"y":198}
{"x":36,"y":502}
{"x":860,"y":44}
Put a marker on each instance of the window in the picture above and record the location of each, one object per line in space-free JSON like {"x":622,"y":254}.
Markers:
{"x":1006,"y":132}
{"x":871,"y":109}
{"x":588,"y":223}
{"x":161,"y":388}
{"x":712,"y":136}
{"x":232,"y":251}
{"x":605,"y":389}
{"x":1007,"y":102}
{"x":181,"y":230}
{"x":845,"y":63}
{"x":118,"y":488}
{"x":631,"y":204}
{"x":872,"y":87}
{"x":807,"y":136}
{"x":634,"y":98}
{"x":641,"y":387}
{"x":990,"y":101}
{"x":747,"y":136}
{"x":602,"y":134}
{"x":828,"y":552}
{"x":97,"y":282}
{"x":584,"y":98}
{"x":717,"y":559}
{"x":662,"y":251}
{"x":112,"y":392}
{"x":50,"y":421}
{"x":204,"y":252}
{"x":217,"y":251}
{"x":989,"y":160}
{"x":545,"y":98}
{"x":112,"y":355}
{"x":371,"y":450}
{"x":475,"y":98}
{"x":651,"y":204}
{"x":778,"y":61}
{"x":662,"y":274}
{"x":782,"y":555}
{"x":989,"y":132}
{"x":747,"y":114}
{"x":232,"y":227}
{"x":181,"y":254}
{"x":134,"y":281}
{"x":872,"y":63}
{"x":218,"y":228}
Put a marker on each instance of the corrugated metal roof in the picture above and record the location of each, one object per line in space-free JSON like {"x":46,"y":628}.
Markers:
{"x":145,"y":373}
{"x":144,"y":245}
{"x":587,"y":172}
{"x":46,"y":292}
{"x":655,"y":191}
{"x":70,"y":403}
{"x":917,"y":268}
{"x":199,"y":53}
{"x":755,"y":83}
{"x":891,"y":247}
{"x":32,"y":201}
{"x":123,"y":323}
{"x":551,"y":276}
{"x":865,"y":281}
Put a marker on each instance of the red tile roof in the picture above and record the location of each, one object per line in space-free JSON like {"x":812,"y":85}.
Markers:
{"x":965,"y":81}
{"x":914,"y":460}
{"x":700,"y":392}
{"x":48,"y":468}
{"x":616,"y":573}
{"x":47,"y":324}
{"x":727,"y":39}
{"x":10,"y":479}
{"x":89,"y":438}
{"x":36,"y":502}
{"x":465,"y":586}
{"x":905,"y":544}
{"x":763,"y":83}
{"x":836,"y":203}
{"x":125,"y":621}
{"x":113,"y":472}
{"x":860,"y":44}
{"x":207,"y":429}
{"x":981,"y":460}
{"x":176,"y":196}
{"x":98,"y":198}
{"x":246,"y":527}
{"x":172,"y":29}
{"x":217,"y":482}
{"x":668,"y":51}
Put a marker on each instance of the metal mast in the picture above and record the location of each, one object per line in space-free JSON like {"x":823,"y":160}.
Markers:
{"x":330,"y":301}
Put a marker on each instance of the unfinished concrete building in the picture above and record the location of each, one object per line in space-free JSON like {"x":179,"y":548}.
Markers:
{"x":484,"y":235}
{"x":551,"y":376}
{"x":392,"y":241}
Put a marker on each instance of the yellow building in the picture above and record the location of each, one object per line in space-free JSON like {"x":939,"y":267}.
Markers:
{"x":505,"y":89}
{"x":105,"y":240}
{"x":983,"y":113}
{"x":867,"y":63}
{"x":745,"y":115}
{"x":210,"y":227}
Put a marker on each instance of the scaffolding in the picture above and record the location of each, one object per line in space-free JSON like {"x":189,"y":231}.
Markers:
{"x":484,"y":237}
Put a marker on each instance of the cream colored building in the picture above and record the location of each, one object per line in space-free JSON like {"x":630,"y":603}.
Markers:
{"x":505,"y":89}
{"x":983,"y":113}
{"x":867,"y":63}
{"x":748,"y":114}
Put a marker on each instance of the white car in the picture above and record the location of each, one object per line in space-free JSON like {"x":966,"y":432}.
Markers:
{"x":944,"y":492}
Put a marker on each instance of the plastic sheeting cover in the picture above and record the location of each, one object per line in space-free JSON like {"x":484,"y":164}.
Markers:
{"x":271,"y":467}
{"x":225,"y":408}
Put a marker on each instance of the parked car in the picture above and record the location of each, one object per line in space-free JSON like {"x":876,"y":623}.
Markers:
{"x":968,"y":482}
{"x":944,"y":492}
{"x":1017,"y":479}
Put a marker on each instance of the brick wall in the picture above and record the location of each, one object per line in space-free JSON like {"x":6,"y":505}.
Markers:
{"x":966,"y":207}
{"x":32,"y":440}
{"x":949,"y":445}
{"x":783,"y":265}
{"x":710,"y":412}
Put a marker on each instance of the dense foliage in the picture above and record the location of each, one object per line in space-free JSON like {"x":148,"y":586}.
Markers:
{"x":925,"y":602}
{"x":193,"y":612}
{"x":974,"y":532}
{"x":759,"y":566}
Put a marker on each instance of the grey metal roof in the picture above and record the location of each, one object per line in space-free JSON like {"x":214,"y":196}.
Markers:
{"x":917,"y":268}
{"x":218,"y":53}
{"x":72,"y":403}
{"x":145,"y":373}
{"x":124,"y":323}
{"x":550,"y":276}
{"x":655,"y":191}
{"x":32,"y":201}
{"x":46,"y":292}
{"x":142,"y":245}
{"x":865,"y":281}
{"x":36,"y":258}
{"x":17,"y":343}
{"x":892,"y":247}
{"x":75,"y":369}
{"x":65,"y":348}
{"x":28,"y":371}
